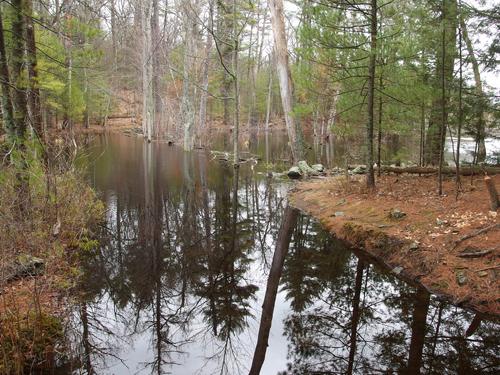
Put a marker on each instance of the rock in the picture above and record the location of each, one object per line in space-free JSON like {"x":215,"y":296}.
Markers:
{"x":414,"y":245}
{"x":359,"y":170}
{"x":306,"y":169}
{"x":397,"y":270}
{"x":275,"y":175}
{"x":23,"y":266}
{"x":341,"y":202}
{"x":461,"y":278}
{"x":339,"y":214}
{"x":441,"y":222}
{"x":294,"y":172}
{"x":396,"y":214}
{"x":318,"y":167}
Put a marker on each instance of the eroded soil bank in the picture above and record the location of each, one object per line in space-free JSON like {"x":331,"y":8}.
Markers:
{"x":429,"y":243}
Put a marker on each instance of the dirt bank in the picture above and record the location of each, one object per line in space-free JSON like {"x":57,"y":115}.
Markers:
{"x":428,"y":243}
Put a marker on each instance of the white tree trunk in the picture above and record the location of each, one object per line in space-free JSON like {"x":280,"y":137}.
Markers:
{"x":285,"y":78}
{"x":187,"y":107}
{"x":147,"y":70}
{"x":206,"y":68}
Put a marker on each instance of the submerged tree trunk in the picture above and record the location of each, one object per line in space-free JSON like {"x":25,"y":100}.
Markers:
{"x":445,"y":58}
{"x":285,"y":80}
{"x":480,"y":100}
{"x":418,"y":329}
{"x":282,"y":244}
{"x":356,"y":314}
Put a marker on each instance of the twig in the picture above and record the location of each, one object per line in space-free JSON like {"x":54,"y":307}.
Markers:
{"x":477,"y":233}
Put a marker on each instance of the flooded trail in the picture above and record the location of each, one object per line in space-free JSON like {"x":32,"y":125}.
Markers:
{"x":178,"y":283}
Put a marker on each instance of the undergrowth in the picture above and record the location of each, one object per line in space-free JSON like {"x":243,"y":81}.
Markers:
{"x":52,"y":222}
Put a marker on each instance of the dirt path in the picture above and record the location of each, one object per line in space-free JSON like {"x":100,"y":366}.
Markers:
{"x":427,"y":243}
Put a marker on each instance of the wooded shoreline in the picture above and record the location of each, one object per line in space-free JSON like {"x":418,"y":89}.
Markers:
{"x":421,"y":246}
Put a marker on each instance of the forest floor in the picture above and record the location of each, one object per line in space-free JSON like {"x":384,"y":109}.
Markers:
{"x":429,"y":244}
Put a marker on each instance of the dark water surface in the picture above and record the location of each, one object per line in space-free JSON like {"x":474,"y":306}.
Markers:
{"x":179,"y":280}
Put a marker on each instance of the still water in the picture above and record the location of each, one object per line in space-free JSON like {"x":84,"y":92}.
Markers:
{"x":177,"y":285}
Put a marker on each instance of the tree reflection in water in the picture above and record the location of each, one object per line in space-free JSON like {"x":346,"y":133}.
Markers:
{"x":174,"y":286}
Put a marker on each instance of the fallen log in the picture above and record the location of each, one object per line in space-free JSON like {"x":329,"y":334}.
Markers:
{"x":464,"y":171}
{"x":112,"y":117}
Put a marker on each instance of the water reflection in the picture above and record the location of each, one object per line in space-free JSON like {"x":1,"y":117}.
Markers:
{"x":178,"y":282}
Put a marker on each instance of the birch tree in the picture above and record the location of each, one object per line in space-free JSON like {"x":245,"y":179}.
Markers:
{"x":148,"y":109}
{"x":187,"y":100}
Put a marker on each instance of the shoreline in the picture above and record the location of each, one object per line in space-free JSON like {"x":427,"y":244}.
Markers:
{"x":423,"y":246}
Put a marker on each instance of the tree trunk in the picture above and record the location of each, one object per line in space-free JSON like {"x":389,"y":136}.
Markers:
{"x":7,"y":109}
{"x":225,"y":29}
{"x":285,"y":80}
{"x":236,"y":83}
{"x":445,"y":58}
{"x":156,"y":89}
{"x":269,"y":95}
{"x":370,"y":176}
{"x":464,"y":171}
{"x":418,"y":329}
{"x":282,"y":244}
{"x":356,"y":314}
{"x":147,"y":70}
{"x":480,"y":100}
{"x":187,"y":107}
{"x":33,"y":92}
{"x":206,"y":68}
{"x":492,"y":191}
{"x":20,"y":113}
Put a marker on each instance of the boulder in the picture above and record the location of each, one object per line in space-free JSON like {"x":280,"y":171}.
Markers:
{"x":318,"y":167}
{"x":359,"y":170}
{"x":294,"y":172}
{"x":306,"y":169}
{"x":23,"y":266}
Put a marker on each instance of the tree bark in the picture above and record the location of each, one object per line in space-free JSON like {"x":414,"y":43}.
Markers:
{"x":418,"y":329}
{"x":206,"y":68}
{"x":20,"y":113}
{"x":285,"y":80}
{"x":356,"y":314}
{"x":492,"y":191}
{"x":147,"y":70}
{"x":479,"y":105}
{"x":370,"y":176}
{"x":445,"y":59}
{"x":34,"y":105}
{"x":187,"y":107}
{"x":156,"y":89}
{"x":7,"y":109}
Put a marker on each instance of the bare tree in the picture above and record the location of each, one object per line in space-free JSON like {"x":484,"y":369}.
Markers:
{"x":285,"y":79}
